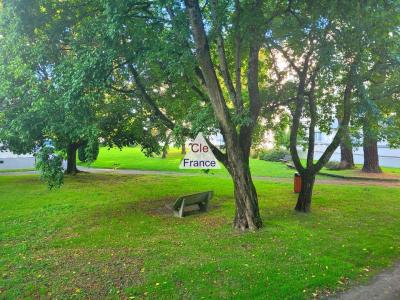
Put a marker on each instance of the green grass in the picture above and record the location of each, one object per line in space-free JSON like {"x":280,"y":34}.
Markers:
{"x":133,"y":158}
{"x":109,"y":236}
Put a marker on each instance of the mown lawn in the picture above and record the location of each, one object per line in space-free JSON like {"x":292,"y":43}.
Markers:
{"x":133,"y":158}
{"x":110,"y":236}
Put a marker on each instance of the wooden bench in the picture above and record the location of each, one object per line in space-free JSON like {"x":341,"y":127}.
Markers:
{"x":199,"y":199}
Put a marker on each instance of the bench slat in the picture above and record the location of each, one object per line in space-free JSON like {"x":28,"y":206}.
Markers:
{"x":200,"y":199}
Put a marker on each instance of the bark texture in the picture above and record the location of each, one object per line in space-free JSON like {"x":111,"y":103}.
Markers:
{"x":371,"y":156}
{"x":247,"y":214}
{"x":346,"y":152}
{"x":71,"y":159}
{"x":304,"y":200}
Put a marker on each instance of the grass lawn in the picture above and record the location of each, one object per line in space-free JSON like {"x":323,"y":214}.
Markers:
{"x":119,"y":241}
{"x":133,"y":158}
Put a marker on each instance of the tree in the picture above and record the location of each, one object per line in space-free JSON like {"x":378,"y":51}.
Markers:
{"x":378,"y":92}
{"x":236,"y":158}
{"x":35,"y":108}
{"x":151,"y":49}
{"x":131,"y":71}
{"x":326,"y":50}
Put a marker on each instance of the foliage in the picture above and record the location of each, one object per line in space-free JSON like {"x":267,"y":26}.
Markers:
{"x":133,"y":158}
{"x":333,"y":165}
{"x":50,"y":165}
{"x":282,"y":132}
{"x":88,"y":151}
{"x":275,"y":155}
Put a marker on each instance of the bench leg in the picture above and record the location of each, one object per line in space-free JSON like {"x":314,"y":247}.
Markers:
{"x":181,"y":209}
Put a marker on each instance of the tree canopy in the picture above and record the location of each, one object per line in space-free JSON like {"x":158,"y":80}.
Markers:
{"x":132,"y":72}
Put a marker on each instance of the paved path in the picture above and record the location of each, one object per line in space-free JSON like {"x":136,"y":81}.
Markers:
{"x":384,"y":286}
{"x":338,"y":181}
{"x":18,"y":173}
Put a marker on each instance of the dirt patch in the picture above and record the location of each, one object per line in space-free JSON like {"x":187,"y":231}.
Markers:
{"x":156,"y":207}
{"x":161,"y":208}
{"x":89,"y":273}
{"x":358,"y":182}
{"x":377,"y":176}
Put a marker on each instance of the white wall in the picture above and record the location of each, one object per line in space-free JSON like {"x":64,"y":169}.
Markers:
{"x":387,"y":157}
{"x":9,"y":160}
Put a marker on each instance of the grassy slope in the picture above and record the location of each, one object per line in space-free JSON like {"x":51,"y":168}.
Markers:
{"x":118,"y":240}
{"x":133,"y":158}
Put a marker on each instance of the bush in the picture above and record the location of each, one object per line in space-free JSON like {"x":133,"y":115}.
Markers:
{"x":50,"y":166}
{"x":88,"y":152}
{"x":333,"y":165}
{"x":274,"y":155}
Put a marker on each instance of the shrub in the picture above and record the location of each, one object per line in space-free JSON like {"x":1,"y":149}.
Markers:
{"x":274,"y":155}
{"x":50,"y":166}
{"x":333,"y":165}
{"x":88,"y":152}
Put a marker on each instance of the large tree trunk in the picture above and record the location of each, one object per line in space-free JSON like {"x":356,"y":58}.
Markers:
{"x":371,"y":158}
{"x":71,"y":159}
{"x":247,"y":214}
{"x":237,"y":144}
{"x":183,"y":151}
{"x":305,"y":196}
{"x":346,"y":152}
{"x":370,"y":147}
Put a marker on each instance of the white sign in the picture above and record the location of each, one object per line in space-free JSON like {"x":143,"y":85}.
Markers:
{"x":199,"y":156}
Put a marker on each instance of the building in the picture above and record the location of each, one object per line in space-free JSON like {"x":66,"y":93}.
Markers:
{"x":9,"y":161}
{"x":388,"y":157}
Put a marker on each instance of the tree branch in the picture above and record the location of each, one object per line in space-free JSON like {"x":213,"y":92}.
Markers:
{"x":207,"y":68}
{"x":149,"y":100}
{"x":221,"y":156}
{"x":285,"y":55}
{"x":238,"y":59}
{"x":345,"y":120}
{"x":221,"y":54}
{"x":313,"y":121}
